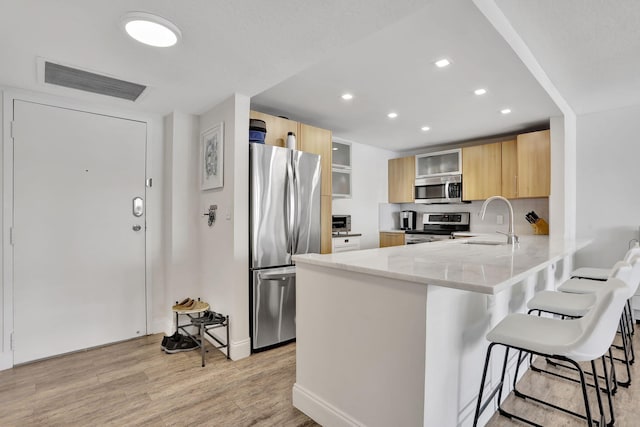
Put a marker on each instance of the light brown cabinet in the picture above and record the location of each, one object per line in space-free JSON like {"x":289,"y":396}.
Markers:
{"x":534,"y":164}
{"x":277,"y":128}
{"x":401,"y":179}
{"x":519,"y":168}
{"x":391,"y":239}
{"x":318,"y":141}
{"x":482,"y":167}
{"x":509,"y":168}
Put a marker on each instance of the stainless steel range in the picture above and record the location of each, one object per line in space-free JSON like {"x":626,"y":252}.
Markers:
{"x":438,"y":226}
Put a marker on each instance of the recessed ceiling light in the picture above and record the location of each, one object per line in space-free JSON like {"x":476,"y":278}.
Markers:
{"x":480,"y":91}
{"x":392,"y":115}
{"x":442,"y":63}
{"x":505,"y":111}
{"x":335,"y":148}
{"x":347,"y":96}
{"x":151,"y":29}
{"x":425,"y":128}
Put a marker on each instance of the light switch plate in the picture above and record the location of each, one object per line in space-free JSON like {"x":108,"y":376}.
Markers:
{"x":499,"y":219}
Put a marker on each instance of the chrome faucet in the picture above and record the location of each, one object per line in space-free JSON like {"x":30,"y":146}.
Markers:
{"x":511,"y":236}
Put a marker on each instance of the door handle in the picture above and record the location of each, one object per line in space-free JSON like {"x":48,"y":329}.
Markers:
{"x":138,"y":206}
{"x":136,"y":227}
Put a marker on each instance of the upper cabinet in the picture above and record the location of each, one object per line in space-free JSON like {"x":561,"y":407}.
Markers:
{"x":534,"y":164}
{"x":341,"y":169}
{"x":439,"y":163}
{"x":509,"y":173}
{"x":341,"y":156}
{"x":519,"y":168}
{"x":277,"y":128}
{"x":401,"y":179}
{"x":481,"y":165}
{"x":318,"y":141}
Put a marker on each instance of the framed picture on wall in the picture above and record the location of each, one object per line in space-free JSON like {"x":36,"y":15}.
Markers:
{"x":212,"y":157}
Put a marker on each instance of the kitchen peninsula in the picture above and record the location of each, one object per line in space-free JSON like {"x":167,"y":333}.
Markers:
{"x":396,"y":336}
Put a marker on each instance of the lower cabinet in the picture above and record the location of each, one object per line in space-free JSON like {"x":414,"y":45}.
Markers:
{"x":391,"y":239}
{"x":345,"y":243}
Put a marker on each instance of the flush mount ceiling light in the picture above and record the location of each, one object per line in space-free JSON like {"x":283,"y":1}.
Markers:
{"x":480,"y":91}
{"x":442,"y":63}
{"x":347,"y":96}
{"x":392,"y":115}
{"x":151,"y":29}
{"x":425,"y":128}
{"x":506,"y":111}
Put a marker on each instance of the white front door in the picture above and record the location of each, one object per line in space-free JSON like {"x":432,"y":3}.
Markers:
{"x":79,"y":250}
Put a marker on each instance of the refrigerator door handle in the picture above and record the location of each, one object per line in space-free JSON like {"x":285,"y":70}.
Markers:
{"x":296,"y":215}
{"x":280,"y":313}
{"x":276,"y":276}
{"x":290,"y":197}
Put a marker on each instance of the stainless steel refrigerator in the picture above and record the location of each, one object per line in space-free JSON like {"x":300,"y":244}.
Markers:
{"x":284,"y":203}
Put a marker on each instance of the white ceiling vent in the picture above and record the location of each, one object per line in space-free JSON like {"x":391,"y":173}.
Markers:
{"x":75,"y":78}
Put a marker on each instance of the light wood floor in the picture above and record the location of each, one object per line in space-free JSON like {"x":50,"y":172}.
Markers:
{"x":135,"y":383}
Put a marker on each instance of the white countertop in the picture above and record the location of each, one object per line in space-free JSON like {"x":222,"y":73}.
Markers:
{"x":393,"y":231}
{"x":486,"y":269}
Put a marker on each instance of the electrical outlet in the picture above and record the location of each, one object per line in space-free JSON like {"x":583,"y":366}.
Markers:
{"x":499,"y":219}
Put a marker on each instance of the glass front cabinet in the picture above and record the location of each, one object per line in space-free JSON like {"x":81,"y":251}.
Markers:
{"x":341,"y":169}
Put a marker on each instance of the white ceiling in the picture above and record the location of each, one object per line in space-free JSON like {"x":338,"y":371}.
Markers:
{"x":393,"y":70}
{"x":296,"y":59}
{"x":590,"y":49}
{"x":228,"y":46}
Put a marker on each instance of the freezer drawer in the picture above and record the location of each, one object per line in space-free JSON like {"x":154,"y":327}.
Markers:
{"x":274,"y":306}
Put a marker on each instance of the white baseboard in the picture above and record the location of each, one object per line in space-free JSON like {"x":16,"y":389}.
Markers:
{"x":240,"y":349}
{"x":321,"y":411}
{"x":6,"y":360}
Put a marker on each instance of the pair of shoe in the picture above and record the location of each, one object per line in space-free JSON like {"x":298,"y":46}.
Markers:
{"x":186,"y":304}
{"x":177,"y":343}
{"x":209,"y":318}
{"x":189,"y":305}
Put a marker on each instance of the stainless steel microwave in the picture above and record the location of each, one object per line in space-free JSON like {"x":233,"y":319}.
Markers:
{"x":340,"y":223}
{"x":440,"y":189}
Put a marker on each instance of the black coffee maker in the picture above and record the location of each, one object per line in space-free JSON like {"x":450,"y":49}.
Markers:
{"x":408,"y":220}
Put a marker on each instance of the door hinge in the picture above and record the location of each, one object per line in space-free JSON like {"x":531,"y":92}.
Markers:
{"x":149,"y":182}
{"x":11,"y":239}
{"x":12,"y":129}
{"x":12,"y":343}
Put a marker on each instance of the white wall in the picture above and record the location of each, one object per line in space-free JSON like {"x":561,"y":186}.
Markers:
{"x":224,"y":247}
{"x":608,"y":205}
{"x":368,"y":189}
{"x":180,"y":236}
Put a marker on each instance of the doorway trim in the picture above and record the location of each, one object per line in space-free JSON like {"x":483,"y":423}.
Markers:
{"x":9,"y":95}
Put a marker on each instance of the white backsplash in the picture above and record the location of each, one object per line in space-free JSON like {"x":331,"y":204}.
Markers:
{"x":389,"y":214}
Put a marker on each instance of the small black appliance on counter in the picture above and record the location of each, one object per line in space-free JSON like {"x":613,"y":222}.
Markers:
{"x":408,"y":220}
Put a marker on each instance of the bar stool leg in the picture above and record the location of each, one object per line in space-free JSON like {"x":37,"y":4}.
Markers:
{"x":609,"y":392}
{"x":598,"y":394}
{"x":626,"y":355}
{"x":479,"y":406}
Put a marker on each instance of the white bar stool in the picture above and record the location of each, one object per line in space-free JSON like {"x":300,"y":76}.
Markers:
{"x":578,"y":340}
{"x":604,"y":273}
{"x":630,"y":274}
